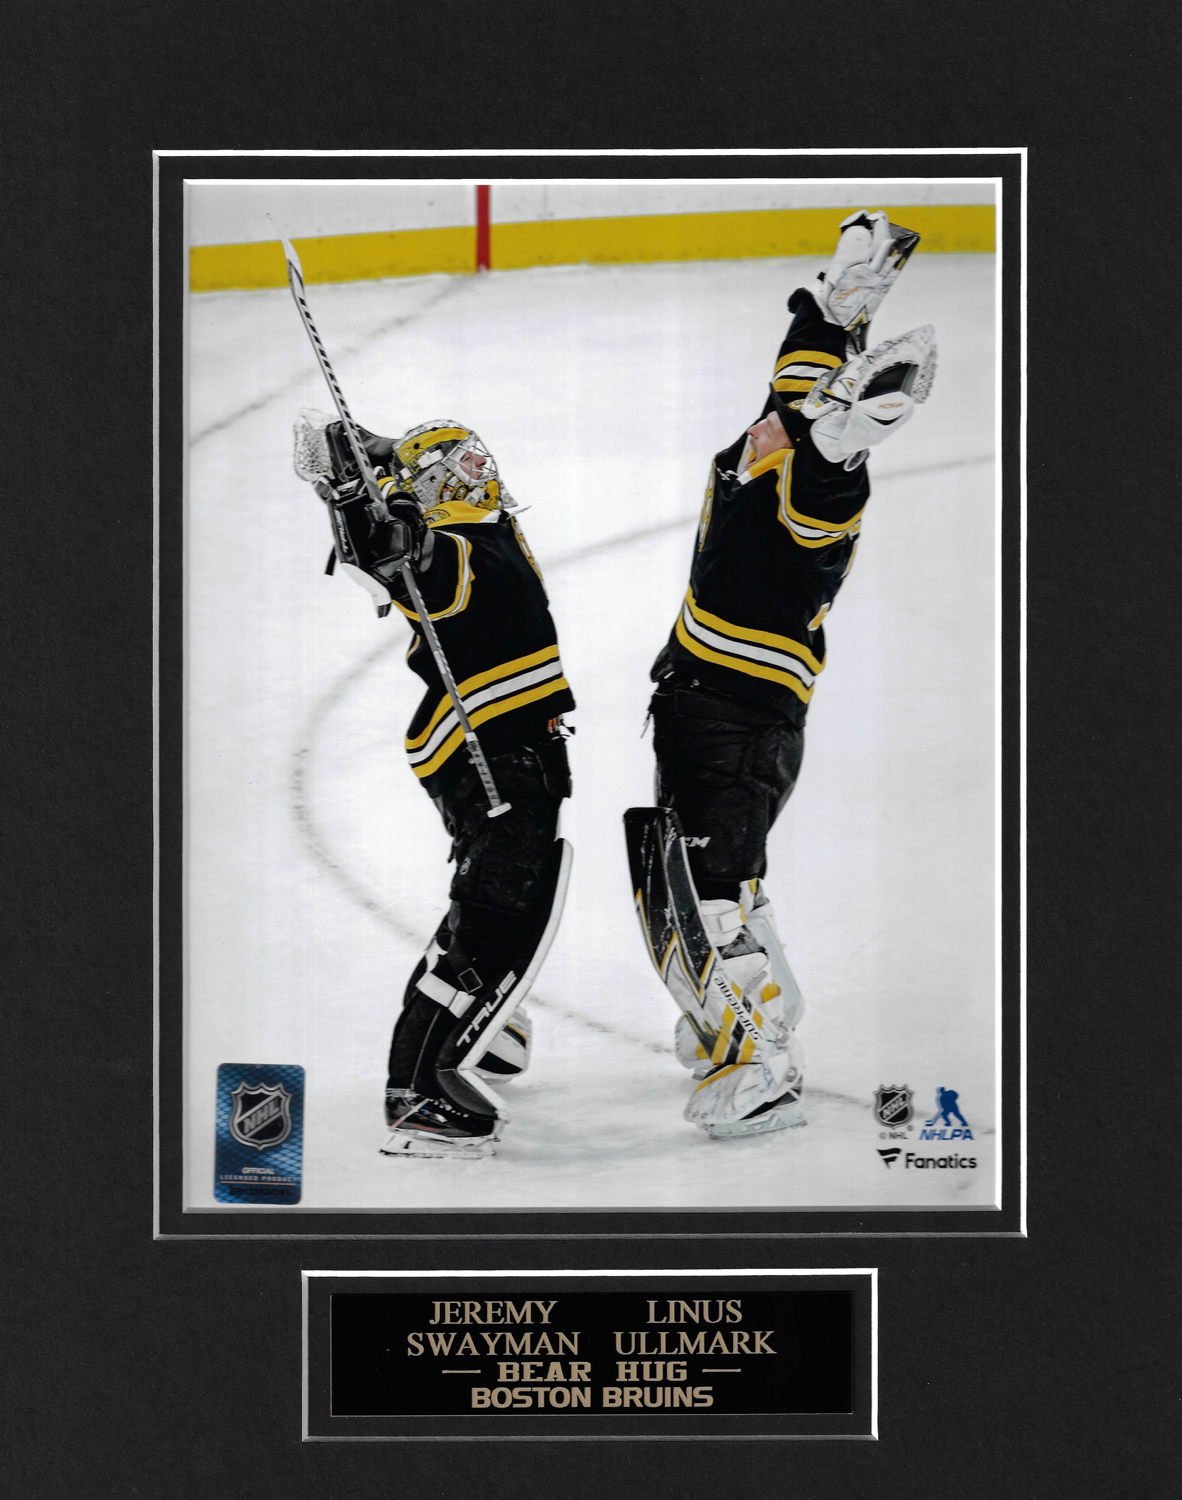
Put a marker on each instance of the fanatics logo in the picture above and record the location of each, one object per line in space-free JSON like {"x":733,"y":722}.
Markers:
{"x":923,"y":1163}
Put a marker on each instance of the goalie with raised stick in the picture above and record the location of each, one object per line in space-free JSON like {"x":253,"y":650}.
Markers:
{"x":448,"y":514}
{"x":777,"y":538}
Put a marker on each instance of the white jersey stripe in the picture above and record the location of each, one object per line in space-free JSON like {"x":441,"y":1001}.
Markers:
{"x":503,"y":689}
{"x":804,"y":371}
{"x":747,"y":649}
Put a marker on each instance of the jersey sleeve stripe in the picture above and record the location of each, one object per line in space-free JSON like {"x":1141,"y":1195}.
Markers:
{"x":809,"y":531}
{"x":794,"y":367}
{"x":816,"y":357}
{"x":463,"y":584}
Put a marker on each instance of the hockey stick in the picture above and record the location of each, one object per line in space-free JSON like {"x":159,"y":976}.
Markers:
{"x":295,"y":278}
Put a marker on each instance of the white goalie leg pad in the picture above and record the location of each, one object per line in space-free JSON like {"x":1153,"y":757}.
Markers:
{"x":459,"y":1064}
{"x":688,"y":1049}
{"x":746,"y":961}
{"x":871,"y":396}
{"x":509,"y":1055}
{"x":785,"y":1009}
{"x":754,"y":1098}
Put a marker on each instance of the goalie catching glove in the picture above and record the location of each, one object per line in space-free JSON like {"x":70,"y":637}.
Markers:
{"x":323,"y":459}
{"x":870,"y":396}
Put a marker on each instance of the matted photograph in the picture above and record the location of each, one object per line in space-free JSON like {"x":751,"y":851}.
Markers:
{"x":594,"y":597}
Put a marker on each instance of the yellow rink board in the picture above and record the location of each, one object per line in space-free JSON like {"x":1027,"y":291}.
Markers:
{"x":946,"y":229}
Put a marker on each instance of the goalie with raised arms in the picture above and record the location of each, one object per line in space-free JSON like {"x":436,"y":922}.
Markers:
{"x":777,"y":539}
{"x":461,"y":1026}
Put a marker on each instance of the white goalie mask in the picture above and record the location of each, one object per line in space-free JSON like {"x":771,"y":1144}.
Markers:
{"x":444,"y":462}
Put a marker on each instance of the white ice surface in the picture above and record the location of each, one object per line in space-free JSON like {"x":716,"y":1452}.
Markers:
{"x":315,"y":866}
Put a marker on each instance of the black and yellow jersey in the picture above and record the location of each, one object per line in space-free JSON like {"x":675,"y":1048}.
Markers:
{"x":775,"y":542}
{"x":484,"y":593}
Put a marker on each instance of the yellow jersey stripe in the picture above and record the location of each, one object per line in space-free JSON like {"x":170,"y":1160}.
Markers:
{"x":481,"y":679}
{"x":808,"y":357}
{"x":741,"y":664}
{"x":792,"y":384}
{"x":482,"y":716}
{"x":787,"y":513}
{"x":463,"y":585}
{"x":764,"y":464}
{"x":760,"y":637}
{"x":458,"y":513}
{"x":507,"y":669}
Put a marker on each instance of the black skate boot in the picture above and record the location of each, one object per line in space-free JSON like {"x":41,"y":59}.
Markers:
{"x":424,"y":1126}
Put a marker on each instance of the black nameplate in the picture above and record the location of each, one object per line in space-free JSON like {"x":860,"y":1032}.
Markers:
{"x":591,"y":1356}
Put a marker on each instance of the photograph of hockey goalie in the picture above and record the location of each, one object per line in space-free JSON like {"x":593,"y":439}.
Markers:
{"x":592,"y":688}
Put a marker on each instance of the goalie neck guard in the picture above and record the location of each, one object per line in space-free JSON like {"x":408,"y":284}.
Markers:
{"x":442,"y":462}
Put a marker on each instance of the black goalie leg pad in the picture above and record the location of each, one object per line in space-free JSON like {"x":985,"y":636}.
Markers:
{"x":494,"y":1003}
{"x":686,"y":960}
{"x":439,"y":943}
{"x":420,"y":1035}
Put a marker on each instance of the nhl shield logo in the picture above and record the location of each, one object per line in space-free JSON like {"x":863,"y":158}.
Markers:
{"x":261,"y":1116}
{"x":892,"y":1105}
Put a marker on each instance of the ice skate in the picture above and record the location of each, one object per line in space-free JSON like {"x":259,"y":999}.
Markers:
{"x":422,"y":1126}
{"x":753,"y":1098}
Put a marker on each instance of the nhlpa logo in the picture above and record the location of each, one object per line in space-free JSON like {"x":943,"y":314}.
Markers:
{"x":892,"y":1105}
{"x":261,"y":1116}
{"x":939,"y":1127}
{"x":890,"y":1155}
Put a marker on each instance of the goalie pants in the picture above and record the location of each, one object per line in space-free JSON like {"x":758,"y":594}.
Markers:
{"x":496,"y":890}
{"x":727,"y":767}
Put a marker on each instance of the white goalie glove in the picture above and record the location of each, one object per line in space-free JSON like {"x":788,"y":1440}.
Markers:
{"x":871,"y":396}
{"x":871,"y":252}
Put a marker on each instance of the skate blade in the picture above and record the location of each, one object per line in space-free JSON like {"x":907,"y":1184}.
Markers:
{"x":406,"y":1143}
{"x":788,"y":1116}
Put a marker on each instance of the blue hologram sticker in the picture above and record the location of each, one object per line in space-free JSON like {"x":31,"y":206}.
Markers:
{"x":260,"y":1133}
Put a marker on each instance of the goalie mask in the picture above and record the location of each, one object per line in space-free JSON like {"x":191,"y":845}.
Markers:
{"x":442,"y":463}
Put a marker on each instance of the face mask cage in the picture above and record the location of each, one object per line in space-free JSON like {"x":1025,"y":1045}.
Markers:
{"x":440,"y":464}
